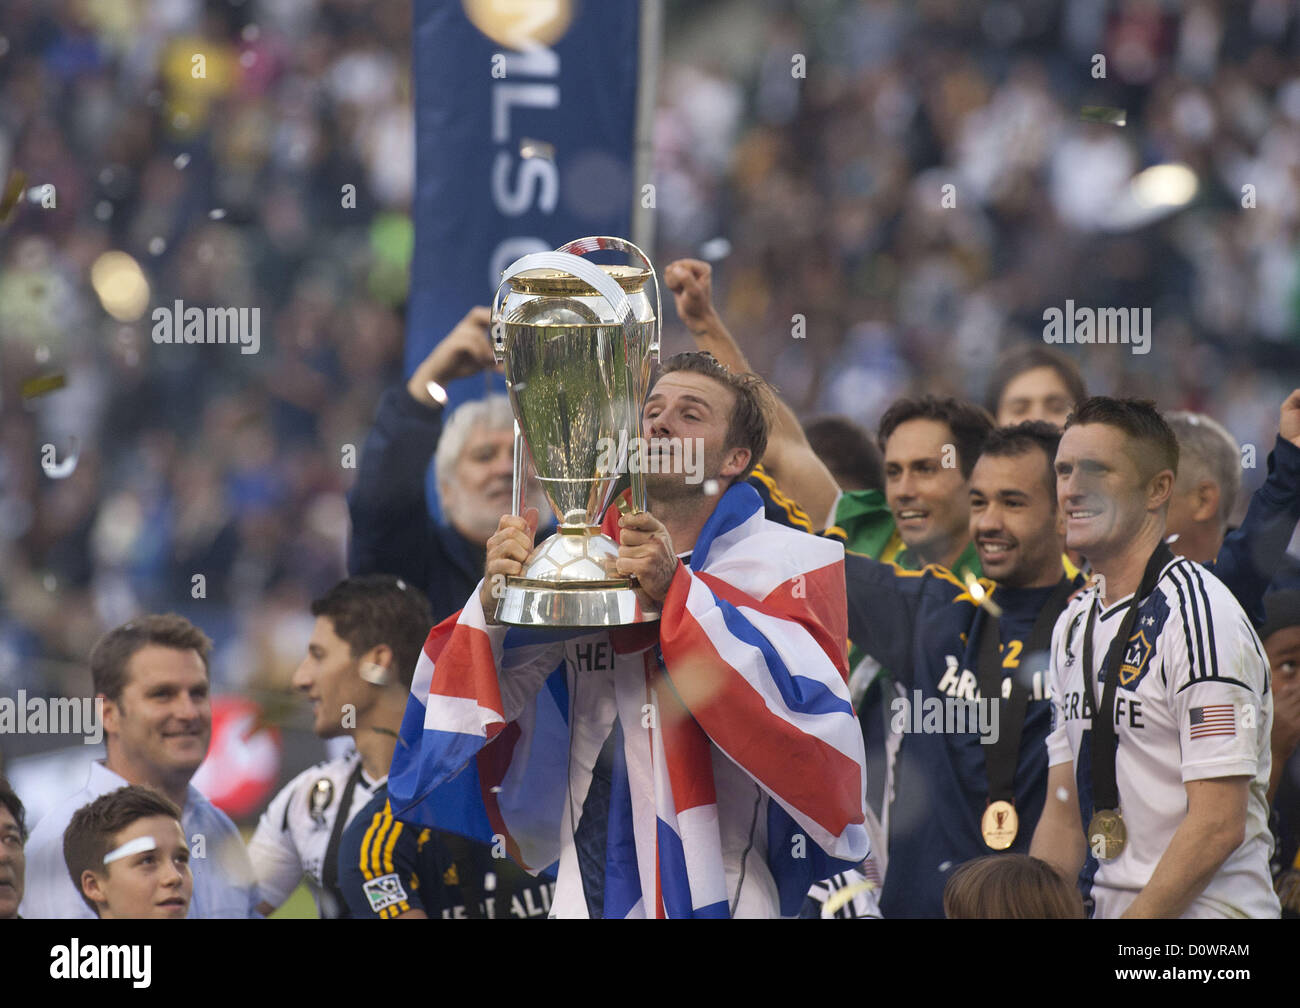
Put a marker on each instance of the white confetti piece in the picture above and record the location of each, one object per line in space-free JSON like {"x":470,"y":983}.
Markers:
{"x":844,"y":895}
{"x":711,"y":488}
{"x":945,"y":866}
{"x":157,"y":245}
{"x":181,"y":161}
{"x":1062,"y":794}
{"x":103,"y":210}
{"x":216,"y":213}
{"x":715,"y":249}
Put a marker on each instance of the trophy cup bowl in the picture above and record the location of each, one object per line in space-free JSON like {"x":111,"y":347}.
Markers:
{"x":577,"y":342}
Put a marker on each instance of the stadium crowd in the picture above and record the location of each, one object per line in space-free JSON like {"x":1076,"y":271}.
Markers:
{"x":921,"y":317}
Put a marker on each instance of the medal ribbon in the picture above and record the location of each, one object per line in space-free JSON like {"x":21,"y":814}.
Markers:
{"x":1001,"y":757}
{"x":1105,"y":742}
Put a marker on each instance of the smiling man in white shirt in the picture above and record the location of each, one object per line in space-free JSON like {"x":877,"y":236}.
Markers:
{"x":152,"y":674}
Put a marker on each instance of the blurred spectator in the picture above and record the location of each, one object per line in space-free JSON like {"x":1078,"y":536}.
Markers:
{"x":848,"y":451}
{"x":1034,"y":382}
{"x":392,"y":532}
{"x":1281,"y":637}
{"x":13,"y":836}
{"x":1206,"y":488}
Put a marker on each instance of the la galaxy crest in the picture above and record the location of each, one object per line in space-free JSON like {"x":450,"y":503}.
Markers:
{"x":1137,"y":653}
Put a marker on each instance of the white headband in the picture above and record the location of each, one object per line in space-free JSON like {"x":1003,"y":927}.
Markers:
{"x":137,"y":846}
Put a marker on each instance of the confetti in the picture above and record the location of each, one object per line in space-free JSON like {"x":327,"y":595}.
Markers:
{"x":247,"y":58}
{"x":157,"y":245}
{"x":50,"y":583}
{"x":845,"y":895}
{"x":1103,"y":114}
{"x":496,"y":789}
{"x":42,"y":354}
{"x":489,"y":881}
{"x":41,"y":385}
{"x":715,"y":249}
{"x":181,"y":161}
{"x":945,"y":866}
{"x":217,"y":213}
{"x":181,"y":120}
{"x":103,"y":210}
{"x":711,"y":488}
{"x":536,"y":149}
{"x":1062,"y":794}
{"x":981,"y":597}
{"x":12,"y":193}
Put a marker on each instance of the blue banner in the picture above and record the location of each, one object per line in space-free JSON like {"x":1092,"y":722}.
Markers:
{"x":525,"y":120}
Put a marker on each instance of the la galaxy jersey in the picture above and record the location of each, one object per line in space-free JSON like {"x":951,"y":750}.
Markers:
{"x":926,"y":627}
{"x":1192,"y":702}
{"x":299,"y":833}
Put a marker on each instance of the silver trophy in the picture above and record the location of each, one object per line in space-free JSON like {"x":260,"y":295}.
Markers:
{"x":578,"y":342}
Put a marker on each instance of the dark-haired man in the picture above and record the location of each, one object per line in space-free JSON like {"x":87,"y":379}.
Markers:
{"x":966,"y":786}
{"x":13,"y":835}
{"x":707,"y":764}
{"x":152,"y":677}
{"x":1160,"y":748}
{"x":356,"y":674}
{"x":128,"y":858}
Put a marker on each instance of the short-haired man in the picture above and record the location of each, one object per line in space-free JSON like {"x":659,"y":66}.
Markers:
{"x":930,"y":446}
{"x":127,"y":856}
{"x":707,"y":764}
{"x":1252,"y":556}
{"x":973,"y":714}
{"x":152,"y":677}
{"x":356,"y":673}
{"x":13,"y":835}
{"x":392,"y":531}
{"x":1161,"y":690}
{"x":1209,"y":480}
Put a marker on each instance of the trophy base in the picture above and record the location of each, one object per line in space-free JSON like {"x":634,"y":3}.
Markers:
{"x":536,"y":604}
{"x":566,"y":584}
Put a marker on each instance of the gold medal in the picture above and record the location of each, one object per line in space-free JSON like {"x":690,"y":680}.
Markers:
{"x":1000,"y":825}
{"x":1106,"y":834}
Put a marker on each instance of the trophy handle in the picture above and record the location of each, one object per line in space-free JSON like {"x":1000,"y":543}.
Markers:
{"x":581,"y":246}
{"x":521,"y":454}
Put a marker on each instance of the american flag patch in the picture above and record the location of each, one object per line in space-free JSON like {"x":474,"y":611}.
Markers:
{"x":1216,"y":719}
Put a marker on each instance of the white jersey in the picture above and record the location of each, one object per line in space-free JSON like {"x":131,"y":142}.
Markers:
{"x":299,"y":833}
{"x":1193,"y":702}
